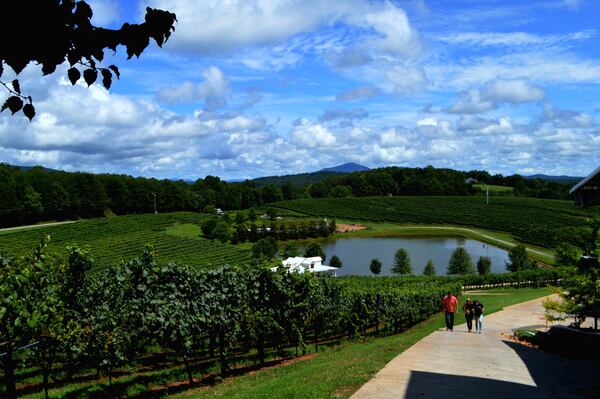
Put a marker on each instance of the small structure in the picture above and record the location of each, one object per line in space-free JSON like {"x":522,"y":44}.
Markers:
{"x":299,"y":264}
{"x":587,"y":192}
{"x":220,"y":211}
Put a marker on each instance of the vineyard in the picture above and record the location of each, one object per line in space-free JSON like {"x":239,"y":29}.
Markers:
{"x":106,"y":321}
{"x":116,"y":238}
{"x":536,"y":221}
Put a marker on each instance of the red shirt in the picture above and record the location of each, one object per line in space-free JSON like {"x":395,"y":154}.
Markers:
{"x":450,"y":303}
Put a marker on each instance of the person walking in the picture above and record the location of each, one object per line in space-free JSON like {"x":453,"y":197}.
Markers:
{"x":450,"y":304}
{"x":469,"y":313}
{"x":478,"y":314}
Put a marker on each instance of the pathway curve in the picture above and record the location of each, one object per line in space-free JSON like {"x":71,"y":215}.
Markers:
{"x":33,"y":226}
{"x":468,"y":365}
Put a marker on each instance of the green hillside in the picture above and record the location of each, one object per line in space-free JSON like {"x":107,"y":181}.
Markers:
{"x":122,"y":237}
{"x":536,"y":221}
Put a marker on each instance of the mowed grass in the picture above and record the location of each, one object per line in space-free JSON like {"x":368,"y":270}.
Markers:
{"x":493,"y":188}
{"x":341,"y":370}
{"x":174,"y":236}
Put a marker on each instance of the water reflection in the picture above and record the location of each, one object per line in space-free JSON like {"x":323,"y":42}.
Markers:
{"x":356,"y":253}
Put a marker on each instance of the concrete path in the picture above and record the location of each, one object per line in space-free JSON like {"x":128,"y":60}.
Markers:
{"x":468,"y":365}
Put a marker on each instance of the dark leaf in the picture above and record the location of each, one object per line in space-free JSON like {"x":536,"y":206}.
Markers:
{"x":73,"y":57}
{"x":115,"y":70}
{"x":106,"y":78}
{"x":29,"y":111}
{"x":83,"y":13}
{"x":74,"y":75}
{"x":13,"y":103}
{"x":48,"y":68}
{"x":90,"y":76}
{"x":16,"y":86}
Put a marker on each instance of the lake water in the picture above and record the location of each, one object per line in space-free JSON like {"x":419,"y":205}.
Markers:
{"x":356,"y":253}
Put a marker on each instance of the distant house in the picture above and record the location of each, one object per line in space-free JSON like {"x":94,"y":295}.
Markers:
{"x":587,"y":192}
{"x":299,"y":264}
{"x":471,"y":180}
{"x":220,"y":211}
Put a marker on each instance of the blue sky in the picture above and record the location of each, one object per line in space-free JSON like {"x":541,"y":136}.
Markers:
{"x":252,"y":88}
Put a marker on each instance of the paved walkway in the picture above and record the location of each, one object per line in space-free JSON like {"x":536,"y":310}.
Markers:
{"x":34,"y":226}
{"x":467,"y":365}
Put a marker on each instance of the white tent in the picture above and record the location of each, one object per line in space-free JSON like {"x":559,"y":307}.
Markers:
{"x":299,"y":264}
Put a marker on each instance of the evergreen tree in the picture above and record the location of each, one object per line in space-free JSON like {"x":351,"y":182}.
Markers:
{"x":484,"y":265}
{"x":375,"y":266}
{"x":314,"y":249}
{"x":518,"y":259}
{"x":460,"y":262}
{"x":335,"y":261}
{"x":402,"y":262}
{"x":429,"y":268}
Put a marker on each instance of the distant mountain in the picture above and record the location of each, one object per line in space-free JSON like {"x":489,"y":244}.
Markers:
{"x":559,"y":179}
{"x":346,"y":168}
{"x":31,"y":167}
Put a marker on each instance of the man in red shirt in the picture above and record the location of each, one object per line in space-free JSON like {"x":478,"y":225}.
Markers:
{"x":450,"y":307}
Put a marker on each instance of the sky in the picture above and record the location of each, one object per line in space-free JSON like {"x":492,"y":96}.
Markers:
{"x":249,"y":88}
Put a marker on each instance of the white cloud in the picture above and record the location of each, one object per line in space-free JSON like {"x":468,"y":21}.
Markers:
{"x":513,"y":39}
{"x":105,"y":11}
{"x":214,"y":89}
{"x":311,"y":135}
{"x":214,"y":26}
{"x":495,"y":93}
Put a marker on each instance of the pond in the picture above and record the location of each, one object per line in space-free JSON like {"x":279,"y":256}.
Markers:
{"x":356,"y":253}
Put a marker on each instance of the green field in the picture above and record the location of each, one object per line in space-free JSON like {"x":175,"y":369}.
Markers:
{"x":492,"y":188}
{"x":174,"y":236}
{"x":540,"y":222}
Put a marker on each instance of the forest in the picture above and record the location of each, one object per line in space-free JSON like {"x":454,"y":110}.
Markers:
{"x":37,"y":194}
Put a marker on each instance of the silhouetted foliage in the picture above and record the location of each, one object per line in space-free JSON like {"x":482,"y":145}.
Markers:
{"x":50,"y":32}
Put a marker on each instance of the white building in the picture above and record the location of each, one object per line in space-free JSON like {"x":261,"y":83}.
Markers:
{"x":299,"y":264}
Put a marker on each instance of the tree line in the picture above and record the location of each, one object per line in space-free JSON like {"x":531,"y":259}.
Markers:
{"x":38,"y":194}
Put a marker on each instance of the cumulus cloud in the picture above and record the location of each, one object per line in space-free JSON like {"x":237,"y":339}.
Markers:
{"x":213,"y":90}
{"x":566,"y":118}
{"x":495,"y":93}
{"x":311,"y":135}
{"x":214,"y":26}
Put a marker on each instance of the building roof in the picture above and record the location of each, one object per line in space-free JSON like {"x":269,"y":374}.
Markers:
{"x":584,"y":181}
{"x":300,"y":265}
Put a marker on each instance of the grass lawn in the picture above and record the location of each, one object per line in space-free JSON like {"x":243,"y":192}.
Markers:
{"x":341,"y":370}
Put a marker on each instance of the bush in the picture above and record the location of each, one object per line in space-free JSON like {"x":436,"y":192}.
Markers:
{"x":402,"y":262}
{"x":484,"y":265}
{"x":429,"y":269}
{"x":375,"y":266}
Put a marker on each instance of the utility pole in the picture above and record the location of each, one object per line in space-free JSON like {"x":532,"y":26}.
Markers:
{"x":155,"y":211}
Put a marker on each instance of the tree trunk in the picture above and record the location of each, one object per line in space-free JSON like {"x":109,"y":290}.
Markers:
{"x":316,"y":339}
{"x":211,"y":344}
{"x":222,"y":358}
{"x":45,"y":380}
{"x":186,"y":361}
{"x":260,"y":347}
{"x":9,"y":374}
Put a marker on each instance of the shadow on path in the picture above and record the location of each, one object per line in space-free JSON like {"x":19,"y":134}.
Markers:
{"x":554,"y":377}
